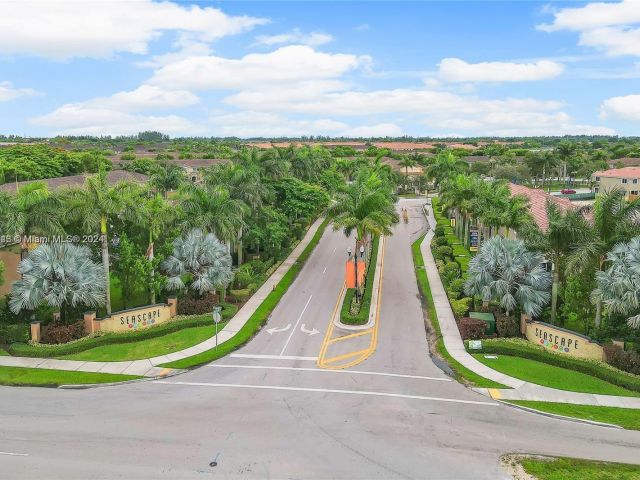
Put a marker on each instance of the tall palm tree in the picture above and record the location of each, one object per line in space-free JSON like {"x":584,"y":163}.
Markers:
{"x":35,"y":210}
{"x":407,"y":162}
{"x":505,"y":271}
{"x":94,"y":205}
{"x":214,"y":210}
{"x":564,"y":151}
{"x":167,"y":177}
{"x":203,"y":258}
{"x":614,"y":220}
{"x":566,"y":230}
{"x":60,"y":275}
{"x":619,"y":286}
{"x":443,"y":166}
{"x":276,"y":162}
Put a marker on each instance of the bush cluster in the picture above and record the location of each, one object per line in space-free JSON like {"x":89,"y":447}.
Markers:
{"x":59,"y":332}
{"x":14,"y":332}
{"x":507,"y":326}
{"x":193,"y":305}
{"x":625,"y":361}
{"x":471,"y":328}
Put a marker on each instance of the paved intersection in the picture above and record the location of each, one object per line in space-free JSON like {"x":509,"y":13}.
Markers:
{"x":269,"y":412}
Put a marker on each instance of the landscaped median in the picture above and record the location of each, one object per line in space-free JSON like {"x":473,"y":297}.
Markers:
{"x":358,"y":314}
{"x":259,"y":317}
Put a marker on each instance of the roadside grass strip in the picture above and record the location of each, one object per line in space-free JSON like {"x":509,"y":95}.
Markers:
{"x":575,"y":469}
{"x":261,"y":314}
{"x":41,"y":377}
{"x":152,"y":347}
{"x":628,"y":418}
{"x":551,"y":376}
{"x":462,"y":374}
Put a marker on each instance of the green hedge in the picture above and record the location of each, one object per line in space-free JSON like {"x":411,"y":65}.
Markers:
{"x":362,"y":316}
{"x":77,"y":346}
{"x":524,"y":349}
{"x":259,"y":317}
{"x":14,"y":332}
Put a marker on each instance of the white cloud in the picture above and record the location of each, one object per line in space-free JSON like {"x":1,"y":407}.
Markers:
{"x":456,"y":70}
{"x":286,"y":65}
{"x":362,"y":27}
{"x":143,"y":98}
{"x":378,"y":130}
{"x":262,"y":124}
{"x":100,"y":28}
{"x":296,"y":36}
{"x":605,"y":26}
{"x":9,"y":92}
{"x":622,"y":108}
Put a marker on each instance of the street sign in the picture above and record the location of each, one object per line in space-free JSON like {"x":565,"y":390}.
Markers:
{"x":216,"y":314}
{"x":475,"y":344}
{"x":473,"y":240}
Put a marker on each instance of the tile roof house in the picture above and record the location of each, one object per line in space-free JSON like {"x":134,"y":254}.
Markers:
{"x":627,"y":179}
{"x":113,"y":177}
{"x":538,"y":203}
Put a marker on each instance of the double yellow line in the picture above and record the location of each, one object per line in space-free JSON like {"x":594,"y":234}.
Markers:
{"x":361,"y":355}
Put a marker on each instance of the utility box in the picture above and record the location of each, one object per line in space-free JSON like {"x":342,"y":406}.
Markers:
{"x":488,"y":318}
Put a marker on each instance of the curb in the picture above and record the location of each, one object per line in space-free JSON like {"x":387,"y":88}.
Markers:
{"x":86,"y":386}
{"x":559,"y":417}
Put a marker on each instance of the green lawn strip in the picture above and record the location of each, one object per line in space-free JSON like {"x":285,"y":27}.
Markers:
{"x":552,"y":376}
{"x":362,"y":316}
{"x":152,"y":347}
{"x":45,"y":377}
{"x":462,"y":373}
{"x":3,"y":352}
{"x":261,"y":314}
{"x":525,"y":349}
{"x":86,"y":343}
{"x":623,"y":417}
{"x":575,"y":469}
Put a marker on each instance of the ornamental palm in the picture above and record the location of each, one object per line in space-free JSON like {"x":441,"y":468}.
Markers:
{"x":407,"y":162}
{"x":614,"y":221}
{"x":167,"y":177}
{"x":201,"y":256}
{"x":445,"y":165}
{"x":505,"y":271}
{"x":58,"y":275}
{"x":619,"y":286}
{"x":94,"y":205}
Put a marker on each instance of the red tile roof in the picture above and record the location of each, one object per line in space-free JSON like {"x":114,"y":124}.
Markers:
{"x":626,"y":172}
{"x":113,"y":177}
{"x":538,"y":203}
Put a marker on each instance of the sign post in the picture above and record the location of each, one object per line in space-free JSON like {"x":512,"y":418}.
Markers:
{"x":473,"y":240}
{"x":216,"y":319}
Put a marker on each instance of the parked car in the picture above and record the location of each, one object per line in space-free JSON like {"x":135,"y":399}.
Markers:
{"x":567,"y":191}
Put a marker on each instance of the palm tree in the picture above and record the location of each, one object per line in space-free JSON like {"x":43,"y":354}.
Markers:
{"x":619,"y":286}
{"x":365,"y":207}
{"x":614,"y":220}
{"x":564,"y":151}
{"x":94,"y":205}
{"x":35,"y":211}
{"x":460,"y":193}
{"x":445,"y":165}
{"x":166,"y":178}
{"x":407,"y":162}
{"x":201,"y":256}
{"x":566,"y":229}
{"x":276,"y":162}
{"x":59,"y":275}
{"x":505,"y":271}
{"x":213,"y":210}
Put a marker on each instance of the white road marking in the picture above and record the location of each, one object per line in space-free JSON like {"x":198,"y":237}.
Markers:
{"x":313,"y":331}
{"x":12,"y":454}
{"x":324,"y":271}
{"x":334,"y":250}
{"x":327,"y":390}
{"x":271,"y":331}
{"x":272,"y":357}
{"x":324,"y":370}
{"x":295,"y":327}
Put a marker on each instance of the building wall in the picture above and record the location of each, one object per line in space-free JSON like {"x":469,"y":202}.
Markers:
{"x":631,"y":187}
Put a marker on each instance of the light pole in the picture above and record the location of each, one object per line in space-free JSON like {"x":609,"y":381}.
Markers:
{"x":216,"y":319}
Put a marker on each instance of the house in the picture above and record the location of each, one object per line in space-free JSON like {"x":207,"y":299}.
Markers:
{"x":113,"y":177}
{"x":627,"y":178}
{"x":624,"y":162}
{"x":538,"y":203}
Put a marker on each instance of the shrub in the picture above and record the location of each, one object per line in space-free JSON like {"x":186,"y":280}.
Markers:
{"x":127,"y":157}
{"x":439,"y":231}
{"x":457,"y":285}
{"x":192,"y":305}
{"x":460,"y":307}
{"x":507,"y":326}
{"x":440,"y":241}
{"x":625,"y":361}
{"x":14,"y":332}
{"x":240,"y":295}
{"x":451,"y":271}
{"x":471,"y":328}
{"x":59,"y":332}
{"x":442,"y":252}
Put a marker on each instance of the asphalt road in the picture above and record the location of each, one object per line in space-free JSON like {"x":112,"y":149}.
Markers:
{"x":269,"y":412}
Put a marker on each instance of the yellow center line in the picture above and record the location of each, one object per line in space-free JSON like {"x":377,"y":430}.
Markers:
{"x":346,"y":355}
{"x":352,"y":335}
{"x":329,"y":333}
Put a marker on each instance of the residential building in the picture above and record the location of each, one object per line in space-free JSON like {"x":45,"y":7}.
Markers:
{"x":627,"y":178}
{"x":113,"y":177}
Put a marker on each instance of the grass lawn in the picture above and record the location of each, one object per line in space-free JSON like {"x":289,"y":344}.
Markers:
{"x":151,"y":347}
{"x":45,"y":377}
{"x":3,"y":352}
{"x":462,"y":373}
{"x":574,"y":469}
{"x":624,"y":417}
{"x":552,"y":376}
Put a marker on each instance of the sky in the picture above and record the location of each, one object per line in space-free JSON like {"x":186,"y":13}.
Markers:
{"x":352,"y":69}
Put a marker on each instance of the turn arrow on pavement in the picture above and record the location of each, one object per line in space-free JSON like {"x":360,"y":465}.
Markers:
{"x":308,"y":332}
{"x":278,"y":330}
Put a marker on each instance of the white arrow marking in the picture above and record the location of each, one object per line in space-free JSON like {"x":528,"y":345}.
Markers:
{"x":296,"y":325}
{"x":308,"y":332}
{"x":278,"y":330}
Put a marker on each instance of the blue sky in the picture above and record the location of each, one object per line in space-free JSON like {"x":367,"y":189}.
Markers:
{"x":325,"y":68}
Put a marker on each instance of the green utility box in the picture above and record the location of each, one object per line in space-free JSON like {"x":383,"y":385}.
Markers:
{"x":488,"y":318}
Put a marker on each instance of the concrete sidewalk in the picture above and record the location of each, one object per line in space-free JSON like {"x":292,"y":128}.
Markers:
{"x":520,"y":389}
{"x":148,"y":367}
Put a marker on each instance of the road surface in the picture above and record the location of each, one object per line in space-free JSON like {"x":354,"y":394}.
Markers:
{"x":269,"y":412}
